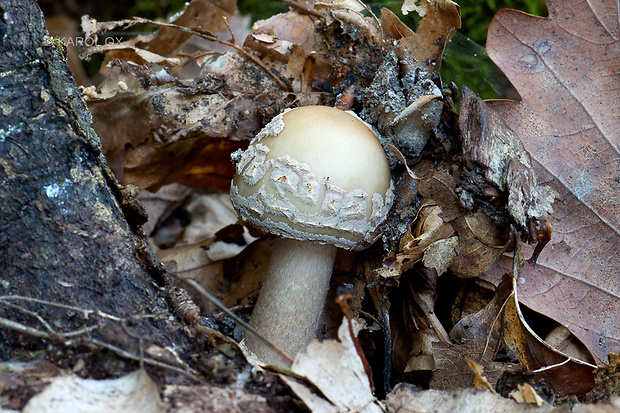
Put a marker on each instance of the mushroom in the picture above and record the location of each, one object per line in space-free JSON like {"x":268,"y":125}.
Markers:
{"x":318,"y":178}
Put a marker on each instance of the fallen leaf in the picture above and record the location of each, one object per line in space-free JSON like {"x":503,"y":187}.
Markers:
{"x":440,"y":254}
{"x":210,"y":16}
{"x":233,"y":281}
{"x":206,"y":14}
{"x":484,"y":324}
{"x":452,"y":370}
{"x":480,"y":382}
{"x":336,"y":369}
{"x":406,"y":399}
{"x":427,"y":229}
{"x":161,"y":203}
{"x":441,"y":19}
{"x":135,"y":392}
{"x":480,"y":240}
{"x":566,"y":68}
{"x":565,"y":375}
{"x":525,"y":393}
{"x":562,"y":339}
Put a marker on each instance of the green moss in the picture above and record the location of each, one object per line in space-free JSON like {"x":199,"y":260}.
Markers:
{"x":477,"y":14}
{"x":261,"y":9}
{"x":154,"y":9}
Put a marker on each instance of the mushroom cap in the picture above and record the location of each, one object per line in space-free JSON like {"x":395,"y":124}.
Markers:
{"x":314,"y":173}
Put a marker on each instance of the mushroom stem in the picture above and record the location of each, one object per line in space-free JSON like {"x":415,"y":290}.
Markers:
{"x":291,"y":301}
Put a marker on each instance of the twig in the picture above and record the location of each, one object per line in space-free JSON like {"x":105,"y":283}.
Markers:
{"x":211,"y":37}
{"x":69,"y":338}
{"x":152,"y":362}
{"x":86,"y":312}
{"x":552,"y":366}
{"x":495,"y":320}
{"x":302,"y":7}
{"x":436,"y":325}
{"x":23,"y":329}
{"x":245,"y":326}
{"x":232,"y":35}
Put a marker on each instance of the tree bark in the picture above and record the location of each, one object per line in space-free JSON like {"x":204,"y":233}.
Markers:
{"x":69,"y":232}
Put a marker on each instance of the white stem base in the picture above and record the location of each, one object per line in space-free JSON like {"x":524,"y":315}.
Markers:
{"x":291,"y":301}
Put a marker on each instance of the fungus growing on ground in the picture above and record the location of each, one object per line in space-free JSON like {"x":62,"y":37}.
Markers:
{"x":318,"y":178}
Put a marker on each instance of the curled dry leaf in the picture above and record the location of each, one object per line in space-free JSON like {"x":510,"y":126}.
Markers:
{"x":564,"y":374}
{"x":441,"y":19}
{"x":427,"y":229}
{"x":480,"y":381}
{"x":152,"y":48}
{"x":481,"y":241}
{"x":525,"y":393}
{"x":292,"y":43}
{"x":476,"y":336}
{"x":566,"y":68}
{"x":336,"y":369}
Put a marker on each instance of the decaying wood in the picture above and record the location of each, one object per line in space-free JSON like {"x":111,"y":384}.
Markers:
{"x":70,"y":244}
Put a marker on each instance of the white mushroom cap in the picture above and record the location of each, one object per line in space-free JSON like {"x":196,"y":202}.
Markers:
{"x":314,"y":173}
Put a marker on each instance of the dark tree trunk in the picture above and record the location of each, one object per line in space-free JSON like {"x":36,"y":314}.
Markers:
{"x":69,"y":232}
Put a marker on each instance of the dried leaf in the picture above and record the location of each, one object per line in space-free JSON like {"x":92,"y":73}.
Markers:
{"x":353,"y":5}
{"x":405,"y":398}
{"x":452,"y":371}
{"x":441,"y":19}
{"x":562,"y":339}
{"x":335,"y":368}
{"x":566,"y":67}
{"x":481,"y":241}
{"x":161,"y":203}
{"x":204,"y":14}
{"x":525,"y":393}
{"x":566,"y":375}
{"x":440,"y":254}
{"x":135,"y":392}
{"x":209,"y":16}
{"x":393,"y":27}
{"x":484,"y":324}
{"x":285,"y":43}
{"x":233,"y":281}
{"x":427,"y":229}
{"x":480,"y":382}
